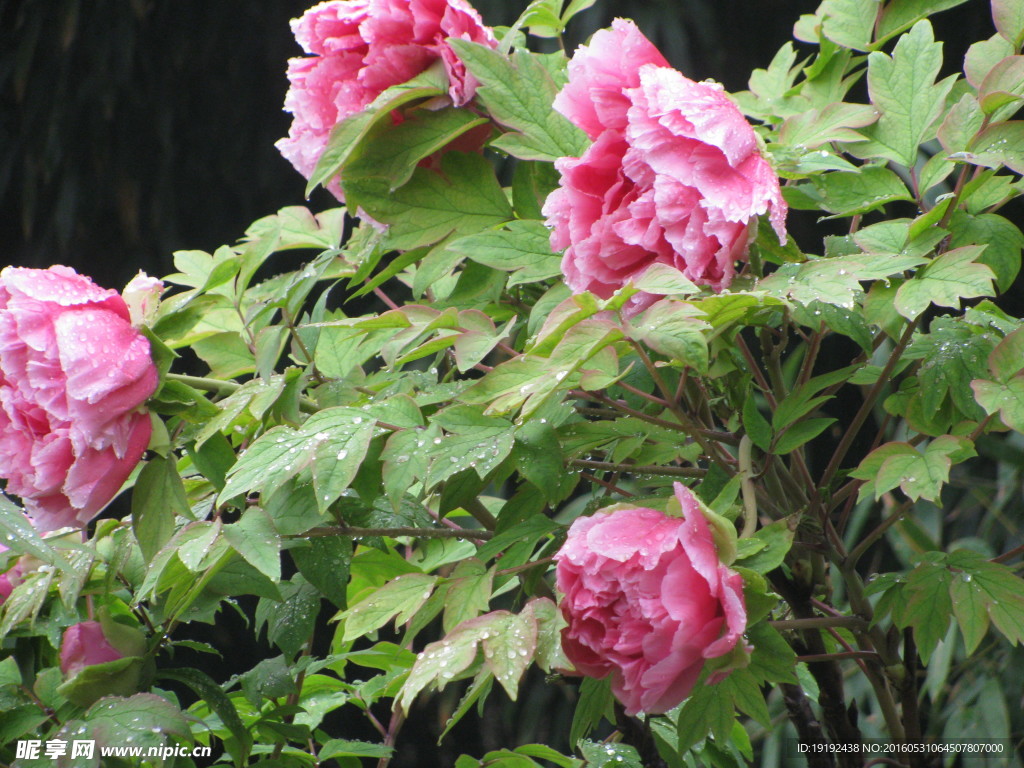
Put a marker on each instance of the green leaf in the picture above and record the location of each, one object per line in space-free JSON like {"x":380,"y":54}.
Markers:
{"x":465,"y":197}
{"x":472,"y":441}
{"x":929,"y":607}
{"x":1002,"y":238}
{"x":290,"y":622}
{"x":157,"y":497}
{"x":952,"y":355}
{"x":969,"y":608}
{"x":532,"y":182}
{"x":518,"y":91}
{"x":827,"y":280}
{"x":399,"y":598}
{"x":347,"y":135}
{"x":846,"y":193}
{"x":835,"y":122}
{"x":325,"y":563}
{"x":674,"y":329}
{"x":27,"y":599}
{"x":1006,"y":399}
{"x":440,"y":662}
{"x":746,"y":694}
{"x":961,"y":124}
{"x":1008,"y":16}
{"x":897,"y":17}
{"x":120,"y":677}
{"x":794,"y":436}
{"x":983,"y":56}
{"x":920,"y":474}
{"x":478,"y":689}
{"x":996,"y":588}
{"x":210,"y":692}
{"x":213,"y":460}
{"x":944,"y":281}
{"x":545,"y":752}
{"x":249,"y":399}
{"x":770,"y":86}
{"x":609,"y":755}
{"x":1003,"y":85}
{"x":520,"y":247}
{"x":1007,"y":359}
{"x":936,"y":170}
{"x":775,"y":540}
{"x":468,"y":594}
{"x":841,"y":320}
{"x":849,"y":23}
{"x":73,"y":582}
{"x":663,"y":280}
{"x":336,"y":748}
{"x":257,"y":541}
{"x":710,"y":708}
{"x":405,"y":461}
{"x":394,"y":154}
{"x":328,"y":448}
{"x":773,"y":659}
{"x":805,"y":399}
{"x":1001,"y":144}
{"x":227,"y":355}
{"x":755,"y":425}
{"x":549,"y":622}
{"x":903,"y":88}
{"x":143,"y":719}
{"x":539,"y":458}
{"x":18,"y":534}
{"x":9,"y":672}
{"x":596,"y":702}
{"x":509,"y":647}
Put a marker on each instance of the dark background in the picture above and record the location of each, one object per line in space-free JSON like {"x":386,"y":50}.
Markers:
{"x":133,"y":128}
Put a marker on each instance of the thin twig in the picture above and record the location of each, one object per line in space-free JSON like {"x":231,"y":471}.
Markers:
{"x":747,"y":488}
{"x":821,"y":622}
{"x":605,"y":484}
{"x":840,"y":656}
{"x":876,"y":534}
{"x":638,"y":469}
{"x":865,"y":408}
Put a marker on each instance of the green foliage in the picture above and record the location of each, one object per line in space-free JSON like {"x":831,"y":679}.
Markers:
{"x":903,"y":87}
{"x":517,"y":91}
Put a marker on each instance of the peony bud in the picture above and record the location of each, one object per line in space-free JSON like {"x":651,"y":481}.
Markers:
{"x":85,"y":645}
{"x":103,"y":658}
{"x":142,"y":295}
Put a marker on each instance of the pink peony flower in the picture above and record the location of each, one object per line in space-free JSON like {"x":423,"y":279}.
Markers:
{"x":73,"y":375}
{"x":84,"y":645}
{"x":648,"y":601}
{"x":360,"y":48}
{"x":674,"y":175}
